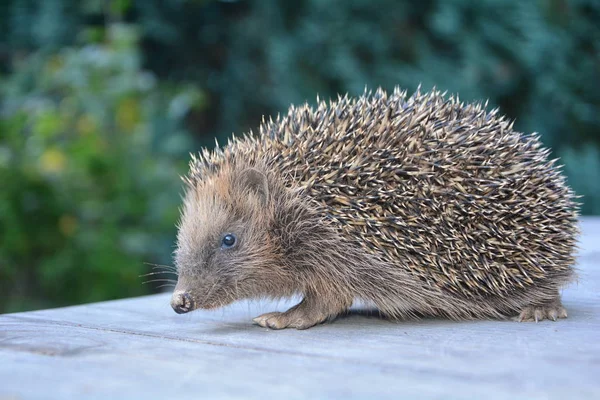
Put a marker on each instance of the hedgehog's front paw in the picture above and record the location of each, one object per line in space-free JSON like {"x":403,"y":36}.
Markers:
{"x":292,"y":318}
{"x":309,"y":312}
{"x":552,"y":310}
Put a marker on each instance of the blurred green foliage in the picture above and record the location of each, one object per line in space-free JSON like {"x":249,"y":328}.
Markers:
{"x":90,"y":150}
{"x":102,"y":99}
{"x":539,"y":61}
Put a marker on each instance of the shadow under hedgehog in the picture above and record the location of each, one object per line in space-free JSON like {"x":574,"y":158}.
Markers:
{"x":417,"y":205}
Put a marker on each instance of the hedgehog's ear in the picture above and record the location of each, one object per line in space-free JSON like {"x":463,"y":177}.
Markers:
{"x":255,"y":181}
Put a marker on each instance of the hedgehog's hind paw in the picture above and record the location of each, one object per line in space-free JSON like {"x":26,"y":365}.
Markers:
{"x":552,"y":311}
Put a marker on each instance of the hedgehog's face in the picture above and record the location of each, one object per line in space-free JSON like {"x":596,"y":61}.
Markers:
{"x":223,"y":241}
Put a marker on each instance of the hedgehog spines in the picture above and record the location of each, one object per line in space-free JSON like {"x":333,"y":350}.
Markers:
{"x":445,"y":190}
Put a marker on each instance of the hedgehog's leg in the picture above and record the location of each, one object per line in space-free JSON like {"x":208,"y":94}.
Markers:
{"x":552,"y":309}
{"x":312,"y":310}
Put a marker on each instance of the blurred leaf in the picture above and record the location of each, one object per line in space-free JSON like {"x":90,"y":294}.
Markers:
{"x":128,"y":114}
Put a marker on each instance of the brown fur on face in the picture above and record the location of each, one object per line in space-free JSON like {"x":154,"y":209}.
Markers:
{"x":235,"y":201}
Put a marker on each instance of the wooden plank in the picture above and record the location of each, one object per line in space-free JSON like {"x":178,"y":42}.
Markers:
{"x":139,"y":348}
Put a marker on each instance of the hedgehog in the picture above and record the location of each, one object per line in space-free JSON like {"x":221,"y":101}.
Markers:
{"x":419,"y":206}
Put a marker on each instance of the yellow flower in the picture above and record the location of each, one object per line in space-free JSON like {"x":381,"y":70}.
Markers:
{"x":53,"y":161}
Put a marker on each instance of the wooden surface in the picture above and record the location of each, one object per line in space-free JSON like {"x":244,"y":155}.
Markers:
{"x":140,"y":349}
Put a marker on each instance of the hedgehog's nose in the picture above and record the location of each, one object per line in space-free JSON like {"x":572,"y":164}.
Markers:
{"x":182,"y":302}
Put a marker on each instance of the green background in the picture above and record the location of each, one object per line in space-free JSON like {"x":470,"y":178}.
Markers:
{"x":102,"y":100}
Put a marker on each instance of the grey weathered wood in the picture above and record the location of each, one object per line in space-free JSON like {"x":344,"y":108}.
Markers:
{"x":139,"y":348}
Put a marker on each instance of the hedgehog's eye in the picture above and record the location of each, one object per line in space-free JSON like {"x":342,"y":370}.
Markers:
{"x":228,"y":241}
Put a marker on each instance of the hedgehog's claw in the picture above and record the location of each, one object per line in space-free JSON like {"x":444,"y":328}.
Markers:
{"x":552,"y":311}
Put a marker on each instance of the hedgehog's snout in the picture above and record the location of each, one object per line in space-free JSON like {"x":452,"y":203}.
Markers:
{"x":182,"y":302}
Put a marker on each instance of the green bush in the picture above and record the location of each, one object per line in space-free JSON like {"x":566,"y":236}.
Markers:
{"x":536,"y":60}
{"x":91,"y":147}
